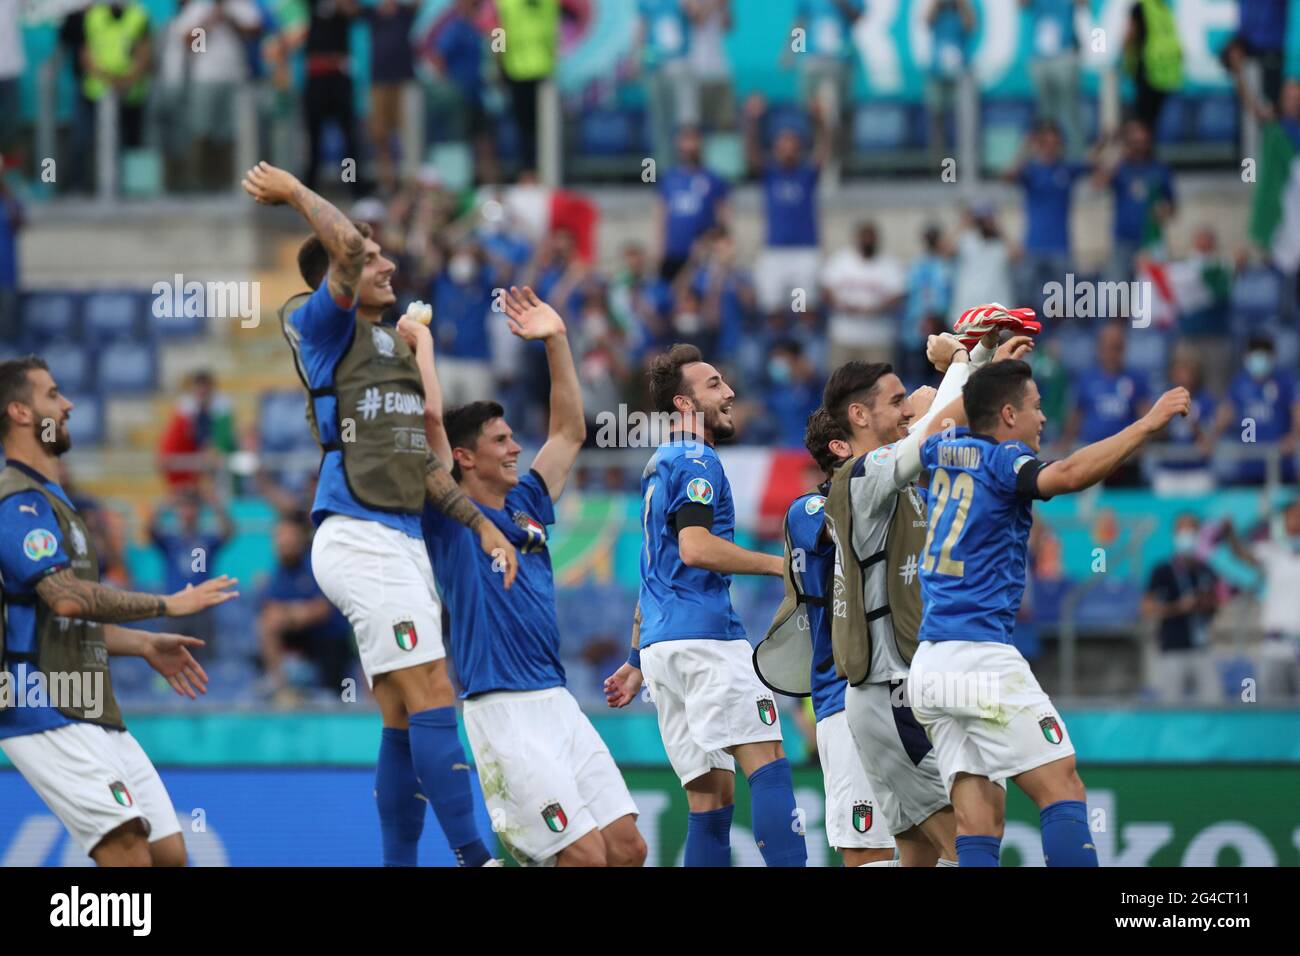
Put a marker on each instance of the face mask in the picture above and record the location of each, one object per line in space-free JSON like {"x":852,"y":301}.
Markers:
{"x":1185,"y":542}
{"x":1259,"y":364}
{"x":778,"y":370}
{"x":461,"y":269}
{"x":868,"y":250}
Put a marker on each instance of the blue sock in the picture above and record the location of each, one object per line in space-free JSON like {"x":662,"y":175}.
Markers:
{"x":1067,"y":841}
{"x":444,"y":771}
{"x":708,"y":838}
{"x":401,"y":804}
{"x":978,"y":850}
{"x":771,"y":792}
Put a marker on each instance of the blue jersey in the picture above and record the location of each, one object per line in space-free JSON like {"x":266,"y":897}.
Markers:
{"x":1107,"y":402}
{"x":790,"y":204}
{"x":31,"y":547}
{"x":691,"y":198}
{"x":981,"y":508}
{"x":678,"y":601}
{"x":805,"y":519}
{"x":326,"y":333}
{"x":500,"y":640}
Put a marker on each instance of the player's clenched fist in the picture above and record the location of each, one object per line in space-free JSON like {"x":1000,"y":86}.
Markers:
{"x":622,"y":686}
{"x":1176,"y":401}
{"x":413,"y":332}
{"x":505,"y":560}
{"x":941,"y":349}
{"x":194,"y":599}
{"x":270,"y":185}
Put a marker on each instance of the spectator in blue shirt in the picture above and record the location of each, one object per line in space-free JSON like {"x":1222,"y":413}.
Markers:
{"x":1143,"y":189}
{"x":928,"y":303}
{"x":462,"y":307}
{"x":1055,"y":65}
{"x":639,"y":302}
{"x":664,"y":41}
{"x":727,"y":298}
{"x":189,"y":552}
{"x":692,"y":200}
{"x":392,"y":67}
{"x":456,"y":52}
{"x":295,"y":617}
{"x":1108,"y":398}
{"x":1194,"y":431}
{"x":786,"y":270}
{"x":1047,"y":180}
{"x":1262,"y":410}
{"x":793,"y":392}
{"x":952,"y":24}
{"x":1261,"y":37}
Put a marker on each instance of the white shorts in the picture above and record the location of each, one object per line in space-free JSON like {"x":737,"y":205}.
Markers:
{"x":851,"y":821}
{"x":779,"y":270}
{"x":708,"y":698}
{"x":94,"y":780}
{"x":382,"y":582}
{"x":547,"y":777}
{"x":1001,"y":723}
{"x":899,"y":761}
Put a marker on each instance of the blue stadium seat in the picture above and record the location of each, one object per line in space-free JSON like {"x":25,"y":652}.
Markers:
{"x":1016,"y":113}
{"x":128,"y":367}
{"x":1217,"y":117}
{"x":1257,"y":294}
{"x":1148,"y":353}
{"x":1176,"y":117}
{"x":508,"y":144}
{"x":1112,"y":603}
{"x":115,"y":315}
{"x":881,"y":125}
{"x":1078,"y":347}
{"x":167,"y":325}
{"x":47,"y":315}
{"x":1089,"y":118}
{"x":88,"y":422}
{"x":282,"y":425}
{"x":610,"y":132}
{"x":236,"y":630}
{"x":73,"y":366}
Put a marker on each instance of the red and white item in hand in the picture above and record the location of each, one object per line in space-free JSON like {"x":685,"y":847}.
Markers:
{"x":973,"y":324}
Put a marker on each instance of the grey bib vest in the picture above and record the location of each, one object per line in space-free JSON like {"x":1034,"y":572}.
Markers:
{"x":378,"y":420}
{"x":66,"y":647}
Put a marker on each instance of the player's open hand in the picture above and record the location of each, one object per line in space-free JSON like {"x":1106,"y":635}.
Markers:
{"x":1176,"y":401}
{"x":940,"y":349}
{"x":529,"y":316}
{"x":194,"y":599}
{"x":270,"y":185}
{"x":1016,"y":347}
{"x":622,"y":686}
{"x":169,"y":655}
{"x":505,"y":560}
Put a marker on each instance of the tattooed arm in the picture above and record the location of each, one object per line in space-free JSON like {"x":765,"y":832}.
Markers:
{"x":341,"y":239}
{"x":446,"y":496}
{"x":70,"y":596}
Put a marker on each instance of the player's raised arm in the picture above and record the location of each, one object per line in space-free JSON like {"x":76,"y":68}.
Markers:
{"x":1091,"y":463}
{"x":530,"y":318}
{"x":340,"y":237}
{"x":70,"y":596}
{"x":417,"y":335}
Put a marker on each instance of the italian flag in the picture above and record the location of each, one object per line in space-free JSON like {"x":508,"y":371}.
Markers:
{"x":1275,"y":208}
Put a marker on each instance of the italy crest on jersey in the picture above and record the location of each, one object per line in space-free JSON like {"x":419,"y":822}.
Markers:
{"x":862,"y":816}
{"x":535,"y":530}
{"x":700,"y":490}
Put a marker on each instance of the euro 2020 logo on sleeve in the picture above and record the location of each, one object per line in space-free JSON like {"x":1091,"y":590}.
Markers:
{"x":700,"y":490}
{"x":39,"y":544}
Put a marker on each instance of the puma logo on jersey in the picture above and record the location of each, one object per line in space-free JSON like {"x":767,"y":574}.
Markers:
{"x":30,"y":509}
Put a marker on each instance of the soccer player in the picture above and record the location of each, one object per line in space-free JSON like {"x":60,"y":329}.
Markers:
{"x":983,"y":481}
{"x":58,"y":627}
{"x":851,"y":824}
{"x":368,"y":405}
{"x":713,"y":710}
{"x":552,"y":789}
{"x":878,"y":523}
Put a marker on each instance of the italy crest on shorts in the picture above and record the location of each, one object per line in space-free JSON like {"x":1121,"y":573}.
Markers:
{"x":404,"y":631}
{"x":767,"y":710}
{"x":554,"y":816}
{"x":1051,"y":729}
{"x":862,"y":816}
{"x":122,"y":795}
{"x":700,"y":490}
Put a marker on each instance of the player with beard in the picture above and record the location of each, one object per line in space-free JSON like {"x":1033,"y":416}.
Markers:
{"x":58,"y":627}
{"x":688,"y":644}
{"x":372,"y":394}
